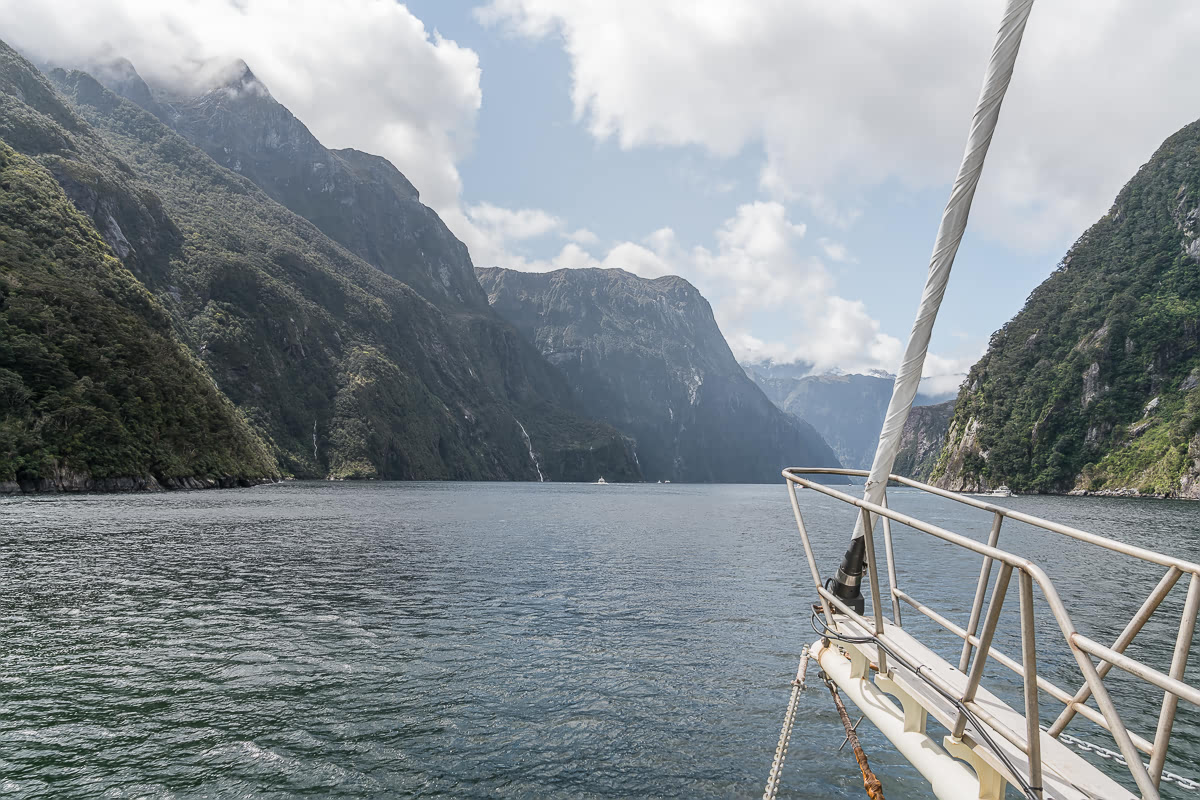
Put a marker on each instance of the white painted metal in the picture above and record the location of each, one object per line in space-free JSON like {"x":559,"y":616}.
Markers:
{"x":950,"y":779}
{"x":1012,"y":729}
{"x":1067,"y":775}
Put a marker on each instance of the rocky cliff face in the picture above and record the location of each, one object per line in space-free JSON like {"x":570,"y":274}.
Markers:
{"x":357,"y":199}
{"x":921,"y":443}
{"x":345,"y":370}
{"x":647,"y":357}
{"x":1093,"y":386}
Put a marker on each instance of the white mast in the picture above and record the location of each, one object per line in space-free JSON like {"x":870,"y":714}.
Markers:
{"x":950,"y":232}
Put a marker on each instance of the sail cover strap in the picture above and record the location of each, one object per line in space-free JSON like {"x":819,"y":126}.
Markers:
{"x":950,"y":232}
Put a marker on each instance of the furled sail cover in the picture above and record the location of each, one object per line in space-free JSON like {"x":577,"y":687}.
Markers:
{"x":950,"y":232}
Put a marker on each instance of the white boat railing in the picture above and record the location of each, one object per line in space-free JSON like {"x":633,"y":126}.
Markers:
{"x":979,"y":641}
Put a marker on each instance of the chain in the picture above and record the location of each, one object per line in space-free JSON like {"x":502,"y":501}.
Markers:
{"x":785,"y":735}
{"x":1105,"y":753}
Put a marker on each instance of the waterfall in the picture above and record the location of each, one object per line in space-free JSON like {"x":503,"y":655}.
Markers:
{"x":532,"y":457}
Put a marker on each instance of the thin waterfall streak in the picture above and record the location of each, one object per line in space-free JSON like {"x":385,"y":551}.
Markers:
{"x":532,"y":456}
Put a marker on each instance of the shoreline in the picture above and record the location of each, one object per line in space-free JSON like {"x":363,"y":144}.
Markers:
{"x":85,"y":484}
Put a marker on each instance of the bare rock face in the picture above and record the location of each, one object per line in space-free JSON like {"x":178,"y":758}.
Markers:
{"x":360,"y":200}
{"x":647,"y":357}
{"x":921,"y":442}
{"x":956,"y":468}
{"x":1091,"y":384}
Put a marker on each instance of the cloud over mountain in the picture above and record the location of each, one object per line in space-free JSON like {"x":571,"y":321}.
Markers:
{"x":846,"y":96}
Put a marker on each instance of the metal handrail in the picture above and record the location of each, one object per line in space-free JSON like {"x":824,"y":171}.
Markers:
{"x":1028,"y":573}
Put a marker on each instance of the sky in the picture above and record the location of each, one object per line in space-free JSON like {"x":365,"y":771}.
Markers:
{"x":790,"y":158}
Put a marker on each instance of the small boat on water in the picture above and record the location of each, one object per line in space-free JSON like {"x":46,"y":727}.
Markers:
{"x":999,"y":491}
{"x":601,"y":480}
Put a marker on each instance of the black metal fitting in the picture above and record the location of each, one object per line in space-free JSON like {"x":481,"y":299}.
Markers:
{"x":847,"y":584}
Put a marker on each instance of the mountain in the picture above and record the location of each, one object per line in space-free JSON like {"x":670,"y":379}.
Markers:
{"x":1095,"y":384}
{"x":847,"y":410}
{"x":95,"y":390}
{"x":345,"y":370}
{"x":922,"y":439}
{"x":359,"y":200}
{"x":647,"y":357}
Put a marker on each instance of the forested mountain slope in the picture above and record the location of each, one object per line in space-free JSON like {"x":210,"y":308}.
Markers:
{"x":346,"y":370}
{"x":1095,"y":384}
{"x":647,"y":357}
{"x":95,"y":391}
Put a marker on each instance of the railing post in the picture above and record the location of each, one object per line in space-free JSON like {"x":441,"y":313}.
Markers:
{"x":876,"y":599}
{"x":812,"y":561}
{"x":985,"y":573}
{"x":1132,"y":628}
{"x":1183,"y":644}
{"x":891,"y":563}
{"x":1033,"y":731}
{"x":985,"y":643}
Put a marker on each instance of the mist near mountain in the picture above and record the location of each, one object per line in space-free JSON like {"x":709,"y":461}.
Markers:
{"x":847,"y":410}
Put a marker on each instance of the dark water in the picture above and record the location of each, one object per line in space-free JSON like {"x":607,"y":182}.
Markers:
{"x":469,"y":640}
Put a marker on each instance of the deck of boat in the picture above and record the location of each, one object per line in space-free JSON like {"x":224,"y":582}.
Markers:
{"x":1065,"y":775}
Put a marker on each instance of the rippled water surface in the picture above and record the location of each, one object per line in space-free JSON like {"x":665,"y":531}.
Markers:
{"x":468,"y":640}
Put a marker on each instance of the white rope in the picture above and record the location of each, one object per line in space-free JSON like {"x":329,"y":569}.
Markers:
{"x":785,"y":735}
{"x":945,"y":247}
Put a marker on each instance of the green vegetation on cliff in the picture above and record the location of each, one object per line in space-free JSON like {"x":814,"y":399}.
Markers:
{"x":93,"y":384}
{"x":1092,"y":385}
{"x":344,"y":370}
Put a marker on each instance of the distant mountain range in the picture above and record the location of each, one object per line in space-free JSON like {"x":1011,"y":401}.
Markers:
{"x":195,"y":291}
{"x":647,"y":357}
{"x":847,"y":410}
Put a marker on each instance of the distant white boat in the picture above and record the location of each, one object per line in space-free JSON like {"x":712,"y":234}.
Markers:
{"x":999,"y":491}
{"x":601,"y":480}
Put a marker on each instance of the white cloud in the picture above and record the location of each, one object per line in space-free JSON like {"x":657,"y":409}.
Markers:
{"x":359,"y":73}
{"x":846,"y":96}
{"x":492,"y":233}
{"x":582,"y":236}
{"x":524,"y":223}
{"x":756,"y":271}
{"x":834,"y":251}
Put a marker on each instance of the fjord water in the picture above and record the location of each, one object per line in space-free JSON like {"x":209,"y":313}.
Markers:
{"x":467,"y":640}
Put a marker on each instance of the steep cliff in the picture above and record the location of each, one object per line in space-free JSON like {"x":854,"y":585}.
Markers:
{"x":95,"y":391}
{"x":647,"y":357}
{"x":847,"y":410}
{"x":1095,"y":385}
{"x":347,"y":371}
{"x":921,"y":442}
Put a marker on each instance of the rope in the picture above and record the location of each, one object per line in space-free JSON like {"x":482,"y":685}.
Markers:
{"x":785,"y":735}
{"x":870,"y":782}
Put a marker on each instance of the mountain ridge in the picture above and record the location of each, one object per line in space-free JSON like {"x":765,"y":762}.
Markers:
{"x":846,"y":409}
{"x":353,"y":374}
{"x":647,"y":356}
